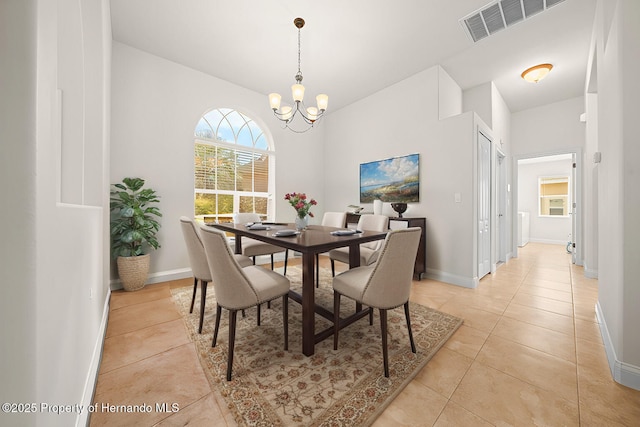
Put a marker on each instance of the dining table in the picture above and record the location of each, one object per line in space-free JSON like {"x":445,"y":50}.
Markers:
{"x":315,"y":239}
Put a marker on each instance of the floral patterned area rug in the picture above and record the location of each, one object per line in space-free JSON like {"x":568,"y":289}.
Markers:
{"x":344,"y":387}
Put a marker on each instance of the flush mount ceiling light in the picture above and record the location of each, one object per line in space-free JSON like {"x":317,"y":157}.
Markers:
{"x":536,"y":73}
{"x":286,"y":113}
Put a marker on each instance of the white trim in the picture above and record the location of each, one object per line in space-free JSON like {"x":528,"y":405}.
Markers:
{"x":623,"y":373}
{"x":590,"y":273}
{"x":443,"y":276}
{"x":162,"y":276}
{"x":90,"y":384}
{"x":548,"y":241}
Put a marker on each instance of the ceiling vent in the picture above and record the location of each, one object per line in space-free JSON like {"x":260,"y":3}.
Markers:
{"x":500,"y":14}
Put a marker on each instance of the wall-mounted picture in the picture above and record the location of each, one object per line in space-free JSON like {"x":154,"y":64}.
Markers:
{"x":391,"y":180}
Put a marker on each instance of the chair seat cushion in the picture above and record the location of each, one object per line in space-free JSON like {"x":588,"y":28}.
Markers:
{"x":252,"y":247}
{"x":367,"y":256}
{"x":351,"y":283}
{"x":243,"y":260}
{"x":267,"y":283}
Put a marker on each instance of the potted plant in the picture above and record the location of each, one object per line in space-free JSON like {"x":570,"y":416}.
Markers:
{"x":133,"y":230}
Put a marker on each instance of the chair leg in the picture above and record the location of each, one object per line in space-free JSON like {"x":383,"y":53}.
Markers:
{"x":272,"y":261}
{"x":254,"y":260}
{"x":336,"y":318}
{"x":333,"y":268}
{"x":215,"y":331}
{"x":370,"y":316}
{"x":193,"y":297}
{"x":317,"y":270}
{"x":285,"y":320}
{"x":385,"y":355}
{"x":232,"y":340}
{"x":258,"y":308}
{"x":203,"y":299}
{"x":406,"y":315}
{"x":286,"y":260}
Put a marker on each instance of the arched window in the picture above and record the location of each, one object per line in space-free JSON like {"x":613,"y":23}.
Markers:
{"x":233,"y":161}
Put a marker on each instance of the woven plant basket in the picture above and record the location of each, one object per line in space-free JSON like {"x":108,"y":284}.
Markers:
{"x":133,"y":271}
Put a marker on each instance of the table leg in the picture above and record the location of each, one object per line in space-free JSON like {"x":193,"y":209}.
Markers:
{"x":354,"y":261}
{"x":308,"y":304}
{"x":238,"y":244}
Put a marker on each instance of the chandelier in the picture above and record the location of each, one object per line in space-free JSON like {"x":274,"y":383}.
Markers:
{"x":287,"y":114}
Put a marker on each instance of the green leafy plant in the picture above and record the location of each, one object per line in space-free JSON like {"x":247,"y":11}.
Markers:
{"x":133,"y":218}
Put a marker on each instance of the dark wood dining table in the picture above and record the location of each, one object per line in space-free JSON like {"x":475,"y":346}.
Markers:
{"x":314,"y":240}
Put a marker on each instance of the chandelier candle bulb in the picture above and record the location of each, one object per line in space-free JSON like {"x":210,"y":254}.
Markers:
{"x":297,"y":91}
{"x":274,"y":100}
{"x":323,"y":101}
{"x":286,"y":112}
{"x":312,"y":112}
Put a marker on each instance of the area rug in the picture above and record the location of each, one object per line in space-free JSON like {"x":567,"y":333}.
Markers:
{"x":344,"y":387}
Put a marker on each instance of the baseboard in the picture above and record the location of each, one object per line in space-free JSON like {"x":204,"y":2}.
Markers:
{"x":161,"y":276}
{"x":590,"y":273}
{"x":90,"y":384}
{"x":442,"y":276}
{"x":548,"y":241}
{"x":623,"y":373}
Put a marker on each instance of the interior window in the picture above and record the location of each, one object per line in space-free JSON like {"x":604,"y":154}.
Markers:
{"x":553,"y":196}
{"x":232,"y":163}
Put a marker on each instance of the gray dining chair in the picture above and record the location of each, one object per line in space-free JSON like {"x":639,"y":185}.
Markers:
{"x":384,"y":285}
{"x":330,"y":219}
{"x":198,"y":262}
{"x":239,"y":288}
{"x":368,"y":251}
{"x":252,"y":247}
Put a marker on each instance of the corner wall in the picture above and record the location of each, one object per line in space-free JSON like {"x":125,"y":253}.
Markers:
{"x":366,"y":131}
{"x":617,"y":38}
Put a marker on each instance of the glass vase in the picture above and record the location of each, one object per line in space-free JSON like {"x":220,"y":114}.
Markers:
{"x":302,"y":223}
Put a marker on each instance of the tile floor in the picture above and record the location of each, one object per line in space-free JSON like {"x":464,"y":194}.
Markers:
{"x":529,"y":353}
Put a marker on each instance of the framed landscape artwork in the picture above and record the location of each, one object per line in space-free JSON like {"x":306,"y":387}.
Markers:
{"x":391,"y":180}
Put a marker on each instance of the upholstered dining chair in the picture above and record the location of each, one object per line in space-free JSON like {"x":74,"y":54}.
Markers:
{"x":198,"y":261}
{"x":384,"y":285}
{"x":252,"y":247}
{"x":368,"y":251}
{"x":330,"y":219}
{"x":238,"y":288}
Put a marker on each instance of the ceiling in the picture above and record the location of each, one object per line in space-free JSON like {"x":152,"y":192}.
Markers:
{"x":351,"y":49}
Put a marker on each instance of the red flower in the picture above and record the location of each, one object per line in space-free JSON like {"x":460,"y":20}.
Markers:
{"x":300,"y":203}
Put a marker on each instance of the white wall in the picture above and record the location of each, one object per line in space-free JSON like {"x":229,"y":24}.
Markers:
{"x":155,"y":107}
{"x":548,"y":129}
{"x":542,"y":229}
{"x":17,"y":151}
{"x":617,"y":40}
{"x":446,"y":162}
{"x":58,"y":249}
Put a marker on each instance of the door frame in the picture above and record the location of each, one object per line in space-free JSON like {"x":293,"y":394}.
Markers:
{"x":576,"y":188}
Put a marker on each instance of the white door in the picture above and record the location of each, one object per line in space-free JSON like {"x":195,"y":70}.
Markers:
{"x":484,"y":205}
{"x":501,"y":171}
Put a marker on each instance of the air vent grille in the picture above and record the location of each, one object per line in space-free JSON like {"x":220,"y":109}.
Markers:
{"x":500,"y":14}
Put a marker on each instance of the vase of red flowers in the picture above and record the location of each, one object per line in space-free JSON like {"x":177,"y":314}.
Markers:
{"x":302,"y":205}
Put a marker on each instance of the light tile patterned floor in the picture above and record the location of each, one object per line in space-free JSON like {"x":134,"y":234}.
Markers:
{"x":529,"y":353}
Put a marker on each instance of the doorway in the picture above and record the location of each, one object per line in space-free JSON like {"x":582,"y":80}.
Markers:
{"x":547,"y":192}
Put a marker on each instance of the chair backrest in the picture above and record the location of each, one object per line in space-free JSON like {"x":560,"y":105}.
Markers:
{"x":232,"y":287}
{"x":389,"y":284}
{"x":195,"y":249}
{"x":334,"y":219}
{"x":245,"y":217}
{"x":374,"y":223}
